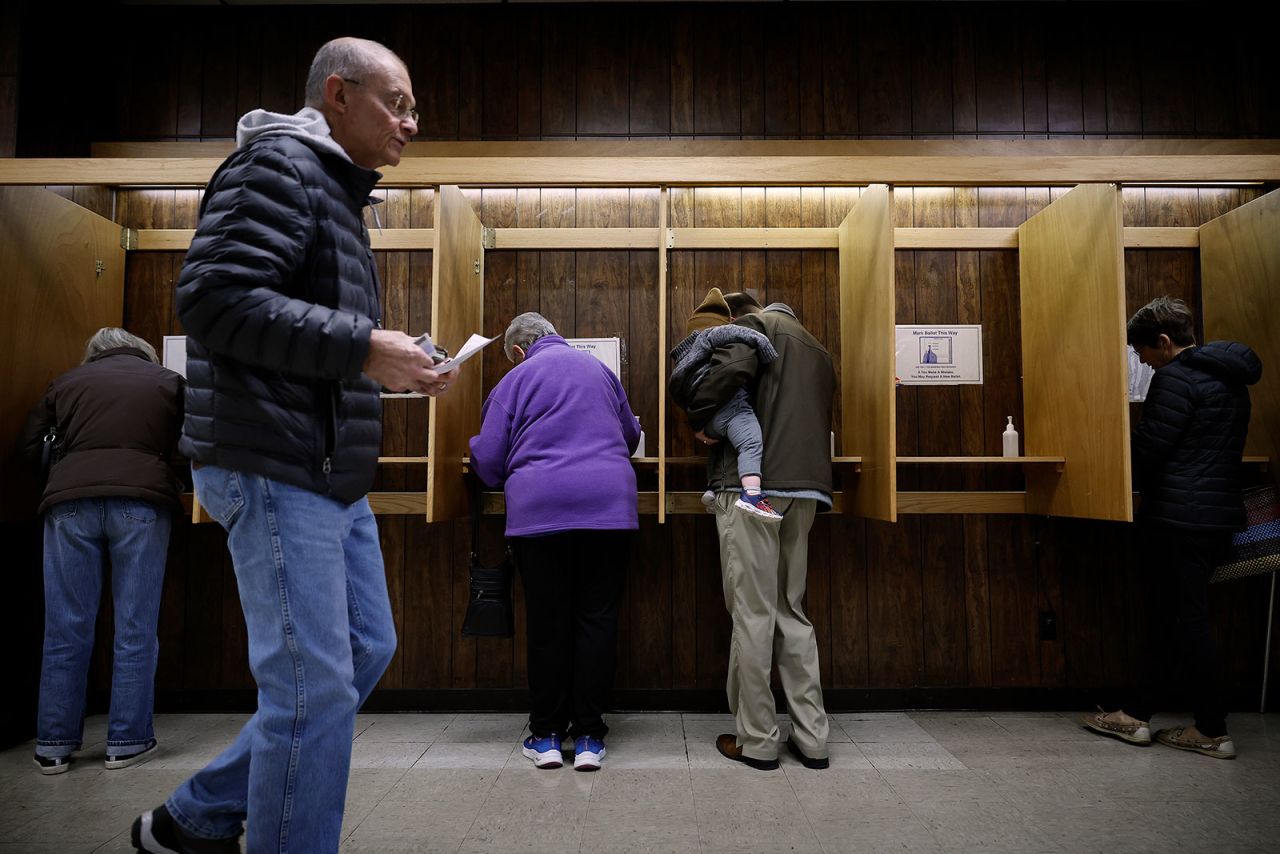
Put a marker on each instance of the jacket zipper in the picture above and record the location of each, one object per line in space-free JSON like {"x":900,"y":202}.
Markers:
{"x":330,"y":432}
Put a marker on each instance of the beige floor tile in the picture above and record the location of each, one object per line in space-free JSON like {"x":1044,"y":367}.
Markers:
{"x":907,"y":755}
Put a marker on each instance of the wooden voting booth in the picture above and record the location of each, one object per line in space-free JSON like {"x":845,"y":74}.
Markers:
{"x":1075,"y":419}
{"x":63,"y":281}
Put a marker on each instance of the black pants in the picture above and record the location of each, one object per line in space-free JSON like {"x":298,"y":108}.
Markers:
{"x":573,"y":584}
{"x":1179,"y":637}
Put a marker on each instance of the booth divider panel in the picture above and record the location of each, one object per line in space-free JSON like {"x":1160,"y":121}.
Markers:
{"x":53,"y":301}
{"x":1240,"y":292}
{"x":456,"y":310}
{"x":867,"y":351}
{"x":1071,"y":267}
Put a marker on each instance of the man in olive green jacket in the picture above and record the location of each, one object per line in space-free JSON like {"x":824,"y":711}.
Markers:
{"x":764,"y":566}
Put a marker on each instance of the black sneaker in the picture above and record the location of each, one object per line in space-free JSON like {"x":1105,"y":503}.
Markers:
{"x":53,"y":766}
{"x":124,"y":760}
{"x":157,"y":832}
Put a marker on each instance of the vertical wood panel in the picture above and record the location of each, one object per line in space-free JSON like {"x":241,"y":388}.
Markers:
{"x":500,"y":113}
{"x":782,"y":82}
{"x":866,"y":323}
{"x":717,"y":92}
{"x":1240,"y":264}
{"x":650,"y":75}
{"x":1071,"y":271}
{"x":603,"y":80}
{"x":457,"y":305}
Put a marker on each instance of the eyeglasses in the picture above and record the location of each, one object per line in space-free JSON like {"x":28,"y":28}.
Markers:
{"x":397,"y":103}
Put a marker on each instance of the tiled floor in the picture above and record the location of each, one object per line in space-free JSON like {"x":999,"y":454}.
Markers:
{"x":913,"y":782}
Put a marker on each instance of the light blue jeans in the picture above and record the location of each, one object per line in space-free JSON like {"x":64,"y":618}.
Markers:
{"x":79,"y":536}
{"x":737,"y":422}
{"x":314,"y":594}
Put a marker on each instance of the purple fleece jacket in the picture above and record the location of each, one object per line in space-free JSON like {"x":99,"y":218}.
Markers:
{"x":557,"y":434}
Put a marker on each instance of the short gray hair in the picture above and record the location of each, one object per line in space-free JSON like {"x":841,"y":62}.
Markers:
{"x":524,"y":330}
{"x":113,"y":337}
{"x":349,"y":58}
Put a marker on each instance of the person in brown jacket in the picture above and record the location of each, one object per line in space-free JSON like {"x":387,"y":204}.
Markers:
{"x":764,"y":567}
{"x":109,"y":498}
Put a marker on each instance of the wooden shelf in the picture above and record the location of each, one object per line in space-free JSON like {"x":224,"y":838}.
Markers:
{"x":685,"y":503}
{"x":982,"y":460}
{"x":411,"y":461}
{"x":1056,"y":462}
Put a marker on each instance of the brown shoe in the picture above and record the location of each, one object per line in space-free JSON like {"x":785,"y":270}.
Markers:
{"x":1133,"y":731}
{"x":807,"y":761}
{"x":727,"y":744}
{"x":1221,"y":747}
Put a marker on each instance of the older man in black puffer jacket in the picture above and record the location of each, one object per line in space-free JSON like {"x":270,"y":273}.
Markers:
{"x":1187,"y":467}
{"x":280,"y":300}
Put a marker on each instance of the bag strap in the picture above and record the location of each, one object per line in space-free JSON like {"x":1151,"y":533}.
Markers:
{"x":477,"y":497}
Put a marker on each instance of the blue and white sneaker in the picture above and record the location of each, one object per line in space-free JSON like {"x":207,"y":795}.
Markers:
{"x":588,"y":751}
{"x":545,"y":752}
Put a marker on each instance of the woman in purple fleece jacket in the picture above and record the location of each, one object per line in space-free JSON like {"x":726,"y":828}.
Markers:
{"x":557,"y":434}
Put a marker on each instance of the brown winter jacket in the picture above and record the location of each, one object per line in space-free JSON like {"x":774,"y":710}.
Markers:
{"x":119,"y":417}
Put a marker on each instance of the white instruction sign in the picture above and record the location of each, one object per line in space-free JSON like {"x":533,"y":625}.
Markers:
{"x":174,"y":356}
{"x":939,"y":355}
{"x":607,"y":350}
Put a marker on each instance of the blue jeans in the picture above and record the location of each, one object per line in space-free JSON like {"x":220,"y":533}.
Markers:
{"x":314,"y":594}
{"x":79,"y":536}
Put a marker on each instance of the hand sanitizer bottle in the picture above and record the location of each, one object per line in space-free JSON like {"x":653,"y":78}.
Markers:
{"x":1010,"y":439}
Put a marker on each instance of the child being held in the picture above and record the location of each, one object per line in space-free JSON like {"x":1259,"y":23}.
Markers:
{"x":710,"y":327}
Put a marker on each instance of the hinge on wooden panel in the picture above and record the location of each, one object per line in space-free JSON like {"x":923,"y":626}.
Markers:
{"x":477,"y":267}
{"x":99,"y":268}
{"x":488,"y":238}
{"x":128,"y":238}
{"x":671,"y":238}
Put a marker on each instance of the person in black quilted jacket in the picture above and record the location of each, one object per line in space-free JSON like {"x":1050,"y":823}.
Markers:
{"x":1187,"y":468}
{"x":286,"y":354}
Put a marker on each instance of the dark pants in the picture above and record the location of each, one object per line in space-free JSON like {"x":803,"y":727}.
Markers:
{"x":572,"y":591}
{"x":1179,"y":637}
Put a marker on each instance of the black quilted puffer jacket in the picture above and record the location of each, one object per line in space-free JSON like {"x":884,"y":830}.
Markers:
{"x":1187,"y":448}
{"x":278,"y":297}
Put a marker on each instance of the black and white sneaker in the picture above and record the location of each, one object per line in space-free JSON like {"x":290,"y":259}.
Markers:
{"x":158,"y":833}
{"x":58,"y":765}
{"x":124,"y":760}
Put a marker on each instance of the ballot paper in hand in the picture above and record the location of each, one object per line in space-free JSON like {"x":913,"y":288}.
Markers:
{"x":474,"y":345}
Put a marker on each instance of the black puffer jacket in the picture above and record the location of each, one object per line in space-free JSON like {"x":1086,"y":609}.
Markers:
{"x":278,"y":296}
{"x":1187,"y":448}
{"x":119,"y":416}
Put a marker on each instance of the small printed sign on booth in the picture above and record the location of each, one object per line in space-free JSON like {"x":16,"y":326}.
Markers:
{"x":939,"y":355}
{"x":607,"y":350}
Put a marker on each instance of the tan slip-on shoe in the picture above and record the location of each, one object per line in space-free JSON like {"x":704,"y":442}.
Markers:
{"x":1133,"y":731}
{"x":1219,"y":748}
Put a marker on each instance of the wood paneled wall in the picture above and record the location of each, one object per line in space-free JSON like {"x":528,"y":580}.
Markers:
{"x":933,"y":601}
{"x":755,"y":70}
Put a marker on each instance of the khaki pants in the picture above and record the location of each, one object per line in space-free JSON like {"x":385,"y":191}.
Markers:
{"x":764,"y":566}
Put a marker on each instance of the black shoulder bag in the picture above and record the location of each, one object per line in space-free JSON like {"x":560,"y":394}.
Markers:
{"x":50,"y":450}
{"x":490,"y":613}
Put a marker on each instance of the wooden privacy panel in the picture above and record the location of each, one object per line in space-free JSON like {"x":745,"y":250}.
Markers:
{"x":1075,"y":383}
{"x":867,"y":353}
{"x":457,"y":305}
{"x":936,"y":602}
{"x":1240,"y":292}
{"x":64,"y":280}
